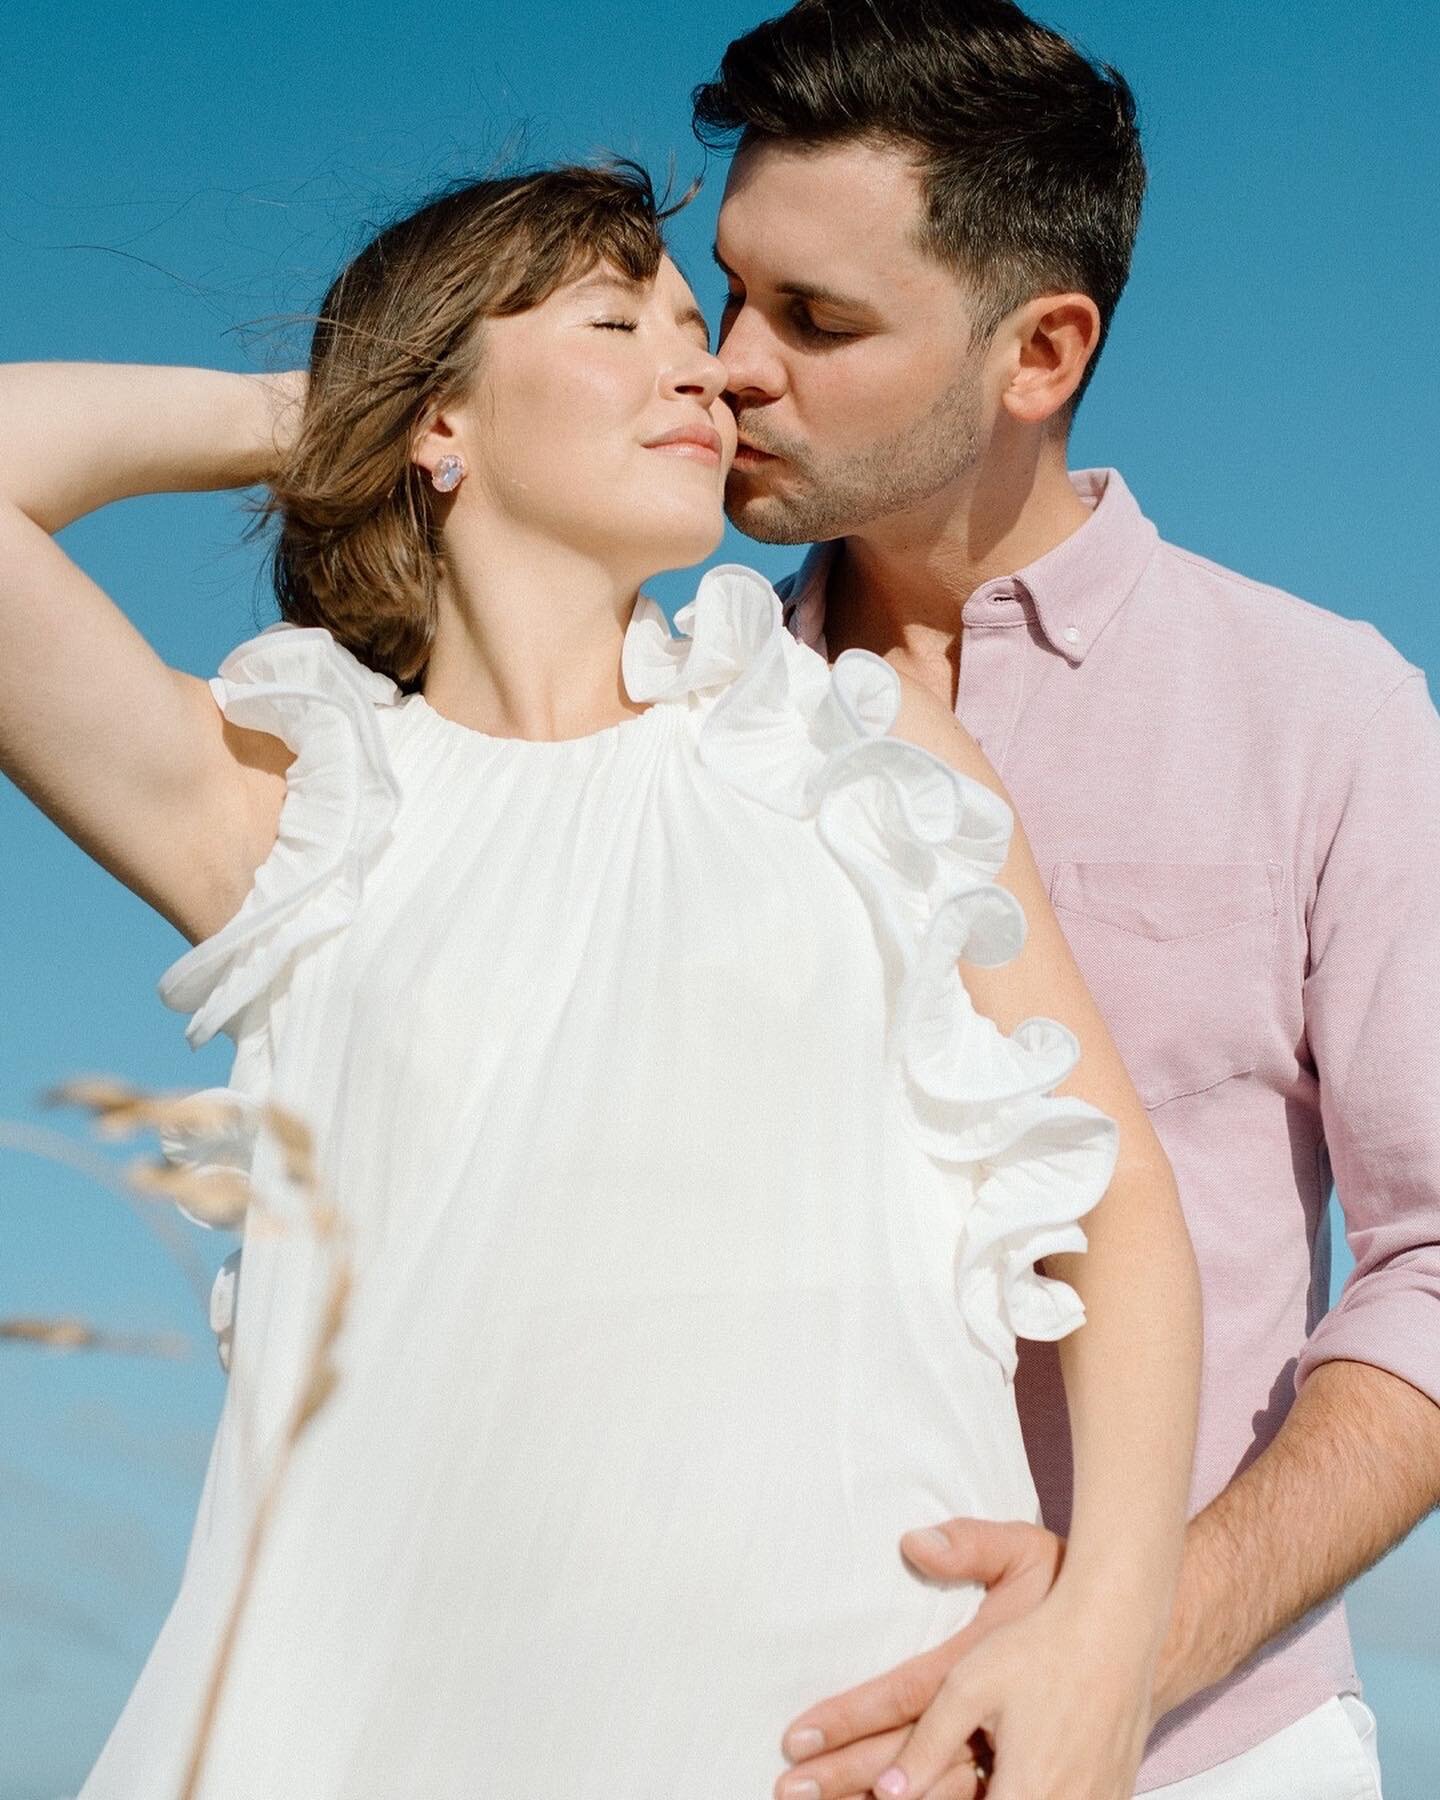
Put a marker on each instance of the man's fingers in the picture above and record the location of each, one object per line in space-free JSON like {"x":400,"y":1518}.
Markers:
{"x":841,"y":1773}
{"x":895,"y":1698}
{"x":983,"y":1550}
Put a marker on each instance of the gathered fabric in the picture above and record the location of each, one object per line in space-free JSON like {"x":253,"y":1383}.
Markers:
{"x":693,"y":1210}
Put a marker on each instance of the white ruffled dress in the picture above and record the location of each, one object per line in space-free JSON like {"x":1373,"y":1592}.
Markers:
{"x":693,"y":1212}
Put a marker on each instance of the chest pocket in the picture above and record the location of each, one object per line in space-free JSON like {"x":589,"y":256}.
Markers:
{"x":1180,"y":959}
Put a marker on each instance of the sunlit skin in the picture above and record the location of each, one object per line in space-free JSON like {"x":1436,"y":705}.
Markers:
{"x":596,"y":444}
{"x":868,"y":411}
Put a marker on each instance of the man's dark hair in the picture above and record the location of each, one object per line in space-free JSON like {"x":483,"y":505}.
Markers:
{"x":1031,"y":169}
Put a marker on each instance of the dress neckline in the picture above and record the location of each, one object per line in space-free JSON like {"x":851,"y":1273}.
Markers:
{"x":552,"y":746}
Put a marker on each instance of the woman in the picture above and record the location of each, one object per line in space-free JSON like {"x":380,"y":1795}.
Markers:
{"x":694,"y":1201}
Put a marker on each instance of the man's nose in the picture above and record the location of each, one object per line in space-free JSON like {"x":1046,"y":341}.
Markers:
{"x":747,"y":351}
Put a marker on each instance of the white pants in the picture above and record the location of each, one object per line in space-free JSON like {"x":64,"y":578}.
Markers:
{"x":1330,"y":1754}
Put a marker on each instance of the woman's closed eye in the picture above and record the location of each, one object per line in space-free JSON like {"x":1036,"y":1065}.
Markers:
{"x":615,"y":324}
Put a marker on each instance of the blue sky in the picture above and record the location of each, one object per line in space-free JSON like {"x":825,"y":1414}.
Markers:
{"x":177,"y":181}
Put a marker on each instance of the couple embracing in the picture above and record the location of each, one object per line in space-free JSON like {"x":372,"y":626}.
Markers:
{"x":767,"y":1069}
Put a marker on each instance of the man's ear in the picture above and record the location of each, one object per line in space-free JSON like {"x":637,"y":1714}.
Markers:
{"x":1053,"y":338}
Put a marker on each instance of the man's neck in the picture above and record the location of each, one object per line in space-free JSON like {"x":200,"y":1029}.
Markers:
{"x":898,"y":587}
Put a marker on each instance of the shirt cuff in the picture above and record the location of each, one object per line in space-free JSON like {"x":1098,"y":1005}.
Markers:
{"x":1396,"y":1328}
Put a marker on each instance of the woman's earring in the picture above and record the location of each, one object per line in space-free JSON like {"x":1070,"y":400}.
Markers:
{"x":447,"y":474}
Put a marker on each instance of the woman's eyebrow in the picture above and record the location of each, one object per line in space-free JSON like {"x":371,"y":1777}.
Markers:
{"x":607,"y":278}
{"x":692,"y":315}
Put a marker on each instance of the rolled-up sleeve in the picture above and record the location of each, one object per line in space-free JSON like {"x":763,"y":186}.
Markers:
{"x":1372,"y":1016}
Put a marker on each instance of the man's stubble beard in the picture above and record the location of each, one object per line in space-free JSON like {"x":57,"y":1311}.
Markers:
{"x":839,"y":497}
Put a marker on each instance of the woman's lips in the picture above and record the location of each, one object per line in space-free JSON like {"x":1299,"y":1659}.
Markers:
{"x":697,"y":440}
{"x":687,"y":447}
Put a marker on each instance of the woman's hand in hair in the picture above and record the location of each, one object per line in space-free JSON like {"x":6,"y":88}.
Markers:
{"x":285,"y":393}
{"x":128,"y":755}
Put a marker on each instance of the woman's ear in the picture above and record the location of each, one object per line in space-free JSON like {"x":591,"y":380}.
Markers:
{"x":435,"y":437}
{"x":1054,"y":337}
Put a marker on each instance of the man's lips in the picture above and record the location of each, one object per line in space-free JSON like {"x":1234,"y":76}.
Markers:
{"x":750,"y":456}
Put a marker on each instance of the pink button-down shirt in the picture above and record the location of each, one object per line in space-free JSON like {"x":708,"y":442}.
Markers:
{"x":1234,"y":798}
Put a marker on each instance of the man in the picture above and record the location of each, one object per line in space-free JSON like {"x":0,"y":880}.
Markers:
{"x":1235,"y":797}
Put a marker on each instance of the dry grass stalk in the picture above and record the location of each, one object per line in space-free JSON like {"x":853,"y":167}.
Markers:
{"x":222,"y":1197}
{"x":79,"y":1334}
{"x":52,"y":1146}
{"x":319,"y":1381}
{"x":219,"y":1198}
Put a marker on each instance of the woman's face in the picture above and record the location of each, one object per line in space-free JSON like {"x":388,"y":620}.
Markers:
{"x":596,"y":421}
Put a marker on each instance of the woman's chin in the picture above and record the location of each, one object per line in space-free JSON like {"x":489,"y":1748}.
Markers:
{"x":690,"y":542}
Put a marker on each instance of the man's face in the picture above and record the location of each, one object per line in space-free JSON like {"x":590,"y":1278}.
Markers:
{"x":847,"y":347}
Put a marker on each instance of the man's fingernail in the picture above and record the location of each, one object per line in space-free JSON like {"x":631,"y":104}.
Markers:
{"x":804,"y":1742}
{"x":801,"y":1790}
{"x":930,"y":1538}
{"x":893,"y":1783}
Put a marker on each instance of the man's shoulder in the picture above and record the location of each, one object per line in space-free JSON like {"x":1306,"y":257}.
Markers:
{"x":1264,"y":625}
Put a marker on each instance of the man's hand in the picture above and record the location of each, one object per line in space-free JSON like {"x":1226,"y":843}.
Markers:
{"x":1364,"y":1439}
{"x":842,"y":1746}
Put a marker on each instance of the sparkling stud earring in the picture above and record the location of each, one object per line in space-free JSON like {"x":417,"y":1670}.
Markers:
{"x":447,"y":474}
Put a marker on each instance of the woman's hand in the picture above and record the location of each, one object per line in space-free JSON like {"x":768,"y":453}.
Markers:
{"x":1069,"y":1680}
{"x":839,"y":1747}
{"x":77,"y":436}
{"x":127,"y":755}
{"x":285,"y":402}
{"x":1064,"y":1697}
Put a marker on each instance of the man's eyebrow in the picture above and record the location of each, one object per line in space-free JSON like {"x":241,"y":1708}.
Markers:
{"x":810,"y":290}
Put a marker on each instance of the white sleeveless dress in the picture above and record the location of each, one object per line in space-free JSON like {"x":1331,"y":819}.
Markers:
{"x":693,"y":1212}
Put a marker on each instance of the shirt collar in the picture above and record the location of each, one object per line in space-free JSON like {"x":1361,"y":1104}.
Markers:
{"x":1076,"y":588}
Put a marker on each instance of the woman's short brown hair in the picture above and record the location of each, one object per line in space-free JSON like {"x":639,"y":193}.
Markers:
{"x":357,"y":548}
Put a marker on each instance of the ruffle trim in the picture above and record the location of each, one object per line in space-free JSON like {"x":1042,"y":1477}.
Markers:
{"x":299,"y":684}
{"x":922,"y":843}
{"x":226,"y":1148}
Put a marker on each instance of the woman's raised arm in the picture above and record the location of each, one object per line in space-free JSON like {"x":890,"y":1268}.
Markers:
{"x":130,"y":757}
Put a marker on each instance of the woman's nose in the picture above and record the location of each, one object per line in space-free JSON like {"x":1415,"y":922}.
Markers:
{"x":699,"y":374}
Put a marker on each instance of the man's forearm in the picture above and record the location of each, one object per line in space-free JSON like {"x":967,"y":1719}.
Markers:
{"x":1354,"y":1467}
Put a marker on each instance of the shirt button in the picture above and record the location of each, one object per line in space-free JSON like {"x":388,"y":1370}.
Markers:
{"x":1070,"y":635}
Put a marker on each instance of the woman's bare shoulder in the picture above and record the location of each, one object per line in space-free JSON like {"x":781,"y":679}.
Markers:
{"x":927,"y":720}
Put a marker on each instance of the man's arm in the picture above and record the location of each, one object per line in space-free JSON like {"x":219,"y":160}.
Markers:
{"x":1357,"y":1461}
{"x":1355,"y":1466}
